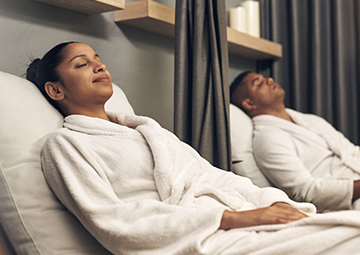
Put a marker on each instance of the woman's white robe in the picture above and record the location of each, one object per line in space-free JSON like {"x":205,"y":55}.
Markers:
{"x":139,"y":190}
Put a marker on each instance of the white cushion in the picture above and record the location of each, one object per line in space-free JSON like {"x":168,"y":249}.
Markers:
{"x":243,"y":162}
{"x":33,"y":219}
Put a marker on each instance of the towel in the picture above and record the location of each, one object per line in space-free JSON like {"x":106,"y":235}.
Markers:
{"x":139,"y":190}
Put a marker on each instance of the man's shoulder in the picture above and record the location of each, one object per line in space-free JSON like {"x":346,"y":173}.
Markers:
{"x":271,"y":133}
{"x":268,"y":125}
{"x":306,"y":115}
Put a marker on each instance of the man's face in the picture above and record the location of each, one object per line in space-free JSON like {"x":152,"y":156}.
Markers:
{"x":263,"y":92}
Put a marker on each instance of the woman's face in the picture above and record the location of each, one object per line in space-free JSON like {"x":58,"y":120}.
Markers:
{"x":84,"y":79}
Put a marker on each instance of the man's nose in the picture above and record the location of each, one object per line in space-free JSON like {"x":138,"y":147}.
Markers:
{"x":270,"y":81}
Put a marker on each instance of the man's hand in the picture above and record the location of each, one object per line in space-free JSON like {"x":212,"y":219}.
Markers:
{"x":278,"y":213}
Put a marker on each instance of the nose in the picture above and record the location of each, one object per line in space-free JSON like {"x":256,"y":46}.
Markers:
{"x":100,"y":67}
{"x":270,"y":81}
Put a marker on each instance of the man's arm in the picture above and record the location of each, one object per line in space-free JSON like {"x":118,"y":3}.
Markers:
{"x":276,"y":155}
{"x":278,"y":213}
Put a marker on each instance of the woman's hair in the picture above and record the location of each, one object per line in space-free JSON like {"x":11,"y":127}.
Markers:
{"x":43,"y":70}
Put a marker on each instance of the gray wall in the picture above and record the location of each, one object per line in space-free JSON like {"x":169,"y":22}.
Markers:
{"x":236,"y":63}
{"x":141,"y":63}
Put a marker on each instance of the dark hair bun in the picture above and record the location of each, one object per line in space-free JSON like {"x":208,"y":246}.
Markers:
{"x":32,"y":71}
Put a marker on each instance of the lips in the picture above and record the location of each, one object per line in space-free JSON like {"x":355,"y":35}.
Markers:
{"x":102,"y":78}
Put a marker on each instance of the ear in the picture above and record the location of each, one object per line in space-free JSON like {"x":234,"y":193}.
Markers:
{"x":54,"y":90}
{"x":248,"y":104}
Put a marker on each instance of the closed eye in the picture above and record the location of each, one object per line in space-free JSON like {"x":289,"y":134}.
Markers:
{"x":81,"y":65}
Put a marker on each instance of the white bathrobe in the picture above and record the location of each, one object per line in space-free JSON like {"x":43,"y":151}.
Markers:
{"x":309,"y":160}
{"x":139,"y":190}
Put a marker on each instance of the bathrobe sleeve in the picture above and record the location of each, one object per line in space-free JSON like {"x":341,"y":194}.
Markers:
{"x":144,"y":227}
{"x":275,"y":153}
{"x":238,"y":192}
{"x":337,"y":143}
{"x":336,"y":140}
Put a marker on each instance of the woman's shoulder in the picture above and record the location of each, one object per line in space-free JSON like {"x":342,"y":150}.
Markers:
{"x":59,"y":136}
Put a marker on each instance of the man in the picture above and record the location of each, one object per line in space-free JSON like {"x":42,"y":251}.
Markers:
{"x":299,"y":153}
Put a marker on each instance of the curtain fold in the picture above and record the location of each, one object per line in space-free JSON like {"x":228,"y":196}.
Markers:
{"x":320,"y":64}
{"x":201,"y":96}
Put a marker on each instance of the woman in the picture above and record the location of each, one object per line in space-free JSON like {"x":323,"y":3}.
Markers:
{"x":134,"y":185}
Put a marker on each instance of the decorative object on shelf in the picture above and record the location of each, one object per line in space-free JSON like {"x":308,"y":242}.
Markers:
{"x":158,"y":18}
{"x":252,"y":9}
{"x":238,"y":19}
{"x":246,"y":18}
{"x":88,"y":6}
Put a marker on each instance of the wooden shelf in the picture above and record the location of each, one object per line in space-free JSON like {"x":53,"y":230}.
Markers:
{"x":148,"y":15}
{"x":252,"y":47}
{"x":88,"y":6}
{"x":159,"y":18}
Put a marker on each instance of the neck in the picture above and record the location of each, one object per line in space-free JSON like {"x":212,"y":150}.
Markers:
{"x":95,"y":113}
{"x":279,"y":112}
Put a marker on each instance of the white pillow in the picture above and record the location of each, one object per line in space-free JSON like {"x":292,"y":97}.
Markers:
{"x":33,"y":219}
{"x":243,"y":162}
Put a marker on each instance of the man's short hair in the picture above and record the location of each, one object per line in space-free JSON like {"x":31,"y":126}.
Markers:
{"x":237,"y":81}
{"x":238,"y":98}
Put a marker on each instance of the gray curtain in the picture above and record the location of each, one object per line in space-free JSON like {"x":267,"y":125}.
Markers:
{"x":320,"y":65}
{"x":201,"y":100}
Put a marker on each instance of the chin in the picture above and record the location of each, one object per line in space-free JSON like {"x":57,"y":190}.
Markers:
{"x":110,"y":92}
{"x":110,"y":95}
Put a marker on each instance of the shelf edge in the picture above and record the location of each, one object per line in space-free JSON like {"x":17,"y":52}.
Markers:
{"x":87,"y":7}
{"x":158,"y":18}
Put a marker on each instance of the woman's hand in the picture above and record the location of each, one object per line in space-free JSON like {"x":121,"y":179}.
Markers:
{"x":278,"y":213}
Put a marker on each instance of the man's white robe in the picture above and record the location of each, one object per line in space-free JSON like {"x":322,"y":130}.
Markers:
{"x":309,"y":160}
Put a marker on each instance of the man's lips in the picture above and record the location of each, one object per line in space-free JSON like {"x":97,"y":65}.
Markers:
{"x":102,"y":78}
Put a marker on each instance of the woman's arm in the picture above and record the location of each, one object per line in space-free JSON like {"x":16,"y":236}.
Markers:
{"x":138,"y":226}
{"x":278,"y":213}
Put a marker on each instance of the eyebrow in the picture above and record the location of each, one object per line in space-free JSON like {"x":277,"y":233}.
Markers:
{"x":83,"y":55}
{"x":253,"y":81}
